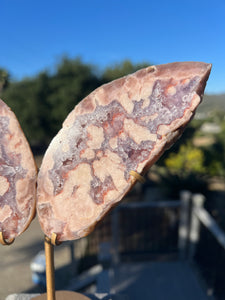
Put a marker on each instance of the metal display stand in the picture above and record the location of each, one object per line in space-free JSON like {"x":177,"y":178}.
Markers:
{"x":50,"y":270}
{"x":51,"y":294}
{"x":5,"y":242}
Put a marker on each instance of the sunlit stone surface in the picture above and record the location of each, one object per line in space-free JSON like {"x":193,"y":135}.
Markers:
{"x":17,"y":176}
{"x":122,"y":126}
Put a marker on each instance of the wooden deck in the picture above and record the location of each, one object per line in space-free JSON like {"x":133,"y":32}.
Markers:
{"x":158,"y":281}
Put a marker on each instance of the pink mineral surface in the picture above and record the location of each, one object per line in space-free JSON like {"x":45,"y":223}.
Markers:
{"x":17,"y":176}
{"x":122,"y":126}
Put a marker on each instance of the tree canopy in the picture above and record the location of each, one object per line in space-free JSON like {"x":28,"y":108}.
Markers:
{"x":41,"y":103}
{"x":122,"y":69}
{"x":4,"y":79}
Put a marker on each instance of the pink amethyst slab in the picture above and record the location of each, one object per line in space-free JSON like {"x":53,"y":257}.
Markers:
{"x":122,"y":126}
{"x":18,"y":174}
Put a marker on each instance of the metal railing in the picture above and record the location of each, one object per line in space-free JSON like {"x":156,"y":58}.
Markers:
{"x":139,"y":208}
{"x":190,"y":217}
{"x":191,"y":214}
{"x":199,"y":214}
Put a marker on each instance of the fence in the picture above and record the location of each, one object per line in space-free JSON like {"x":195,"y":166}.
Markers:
{"x":180,"y":227}
{"x":207,"y":247}
{"x":144,"y":229}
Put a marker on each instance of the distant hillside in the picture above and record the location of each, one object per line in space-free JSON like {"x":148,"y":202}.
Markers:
{"x":212,"y":102}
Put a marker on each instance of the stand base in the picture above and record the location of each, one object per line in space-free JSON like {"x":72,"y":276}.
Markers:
{"x":64,"y":295}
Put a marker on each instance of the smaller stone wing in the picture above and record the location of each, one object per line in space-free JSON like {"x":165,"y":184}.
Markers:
{"x":18,"y":174}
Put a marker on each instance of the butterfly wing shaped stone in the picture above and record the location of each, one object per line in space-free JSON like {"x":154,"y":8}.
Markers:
{"x":122,"y":126}
{"x":18,"y":174}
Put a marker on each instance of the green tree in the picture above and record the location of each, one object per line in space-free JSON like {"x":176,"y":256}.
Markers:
{"x":4,"y":79}
{"x":42,"y":103}
{"x":215,"y":154}
{"x":22,"y":97}
{"x":121,"y":69}
{"x":188,"y":159}
{"x":184,"y":170}
{"x":72,"y":81}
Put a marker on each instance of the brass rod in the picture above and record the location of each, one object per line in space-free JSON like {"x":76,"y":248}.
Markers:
{"x":137,"y":176}
{"x":3,"y":241}
{"x":50,"y":269}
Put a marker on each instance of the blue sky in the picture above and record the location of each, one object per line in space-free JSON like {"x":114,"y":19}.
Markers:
{"x":34,"y":35}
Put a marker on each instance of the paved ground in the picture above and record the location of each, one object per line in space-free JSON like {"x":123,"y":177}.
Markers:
{"x":15,"y":275}
{"x":158,"y":281}
{"x":151,"y":280}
